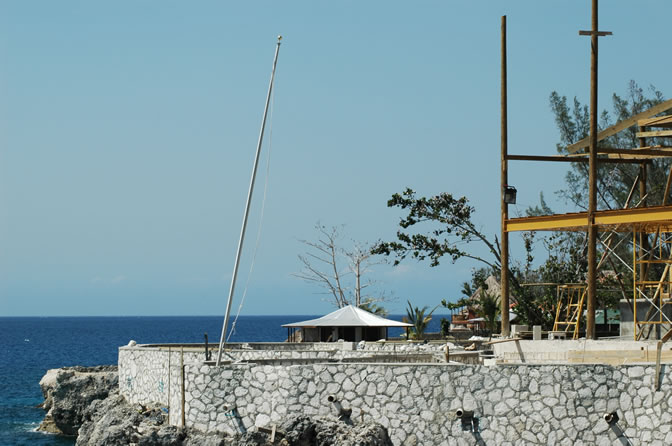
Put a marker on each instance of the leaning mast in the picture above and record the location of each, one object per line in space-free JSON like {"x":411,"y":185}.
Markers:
{"x":222,"y":340}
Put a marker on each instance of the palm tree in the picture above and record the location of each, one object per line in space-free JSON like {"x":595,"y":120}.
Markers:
{"x":419,"y":319}
{"x":489,"y":309}
{"x":371,"y":306}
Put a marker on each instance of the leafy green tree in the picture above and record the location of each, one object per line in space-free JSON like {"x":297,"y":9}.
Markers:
{"x":489,"y":309}
{"x":566,"y":252}
{"x":479,"y":277}
{"x":452,"y":306}
{"x":372,"y":306}
{"x":419,"y":318}
{"x":446,"y":227}
{"x":614,"y":180}
{"x":450,"y":228}
{"x":445,"y":326}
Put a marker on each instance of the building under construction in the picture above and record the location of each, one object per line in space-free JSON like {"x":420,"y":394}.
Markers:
{"x":641,"y":222}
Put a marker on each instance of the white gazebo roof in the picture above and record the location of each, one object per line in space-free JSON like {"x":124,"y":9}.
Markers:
{"x":349,"y":316}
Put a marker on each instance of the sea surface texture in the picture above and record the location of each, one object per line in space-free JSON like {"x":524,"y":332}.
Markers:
{"x":29,"y":346}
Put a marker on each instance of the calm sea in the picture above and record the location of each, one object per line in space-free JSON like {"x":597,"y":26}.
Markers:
{"x":29,"y":346}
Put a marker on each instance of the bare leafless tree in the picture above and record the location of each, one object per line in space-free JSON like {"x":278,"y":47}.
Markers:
{"x":330,"y":266}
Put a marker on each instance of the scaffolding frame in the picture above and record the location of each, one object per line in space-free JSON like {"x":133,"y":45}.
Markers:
{"x":588,"y":151}
{"x":656,"y":293}
{"x":569,"y":310}
{"x":642,"y":221}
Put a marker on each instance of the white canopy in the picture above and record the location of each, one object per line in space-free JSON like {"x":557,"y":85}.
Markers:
{"x":349,"y":316}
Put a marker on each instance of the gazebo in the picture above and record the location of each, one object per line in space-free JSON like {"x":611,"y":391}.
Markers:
{"x":349,"y":323}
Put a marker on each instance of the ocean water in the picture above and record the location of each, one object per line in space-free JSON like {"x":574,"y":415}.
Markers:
{"x":29,"y":346}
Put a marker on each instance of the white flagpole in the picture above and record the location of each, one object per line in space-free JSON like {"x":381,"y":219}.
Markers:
{"x":222,"y":340}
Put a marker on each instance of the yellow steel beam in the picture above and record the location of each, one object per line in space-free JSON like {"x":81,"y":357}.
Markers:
{"x":547,"y":222}
{"x":619,"y":219}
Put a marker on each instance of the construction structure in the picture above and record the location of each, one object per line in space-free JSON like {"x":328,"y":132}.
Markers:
{"x":569,"y":308}
{"x":650,"y":224}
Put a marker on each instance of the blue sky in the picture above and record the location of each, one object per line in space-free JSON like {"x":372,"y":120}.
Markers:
{"x":128,"y":129}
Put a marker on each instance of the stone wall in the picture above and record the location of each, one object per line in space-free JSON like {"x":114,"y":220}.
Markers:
{"x":144,"y":369}
{"x":154,"y":375}
{"x":417,"y":403}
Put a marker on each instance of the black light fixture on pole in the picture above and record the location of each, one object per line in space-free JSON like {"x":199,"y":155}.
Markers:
{"x":509,"y":194}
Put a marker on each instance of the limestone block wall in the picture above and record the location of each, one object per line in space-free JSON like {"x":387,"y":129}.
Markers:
{"x":402,"y":346}
{"x":154,"y":375}
{"x":276,"y":346}
{"x":251,"y":355}
{"x":512,"y":403}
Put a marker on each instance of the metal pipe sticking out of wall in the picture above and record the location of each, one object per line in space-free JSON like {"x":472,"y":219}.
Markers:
{"x":343,"y":413}
{"x":469,"y":422}
{"x":461,"y":413}
{"x":611,"y":417}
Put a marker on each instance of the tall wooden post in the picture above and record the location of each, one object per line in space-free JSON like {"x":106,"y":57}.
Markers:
{"x":592,"y":181}
{"x":642,"y":172}
{"x":592,"y":175}
{"x":644,"y":245}
{"x":505,"y":207}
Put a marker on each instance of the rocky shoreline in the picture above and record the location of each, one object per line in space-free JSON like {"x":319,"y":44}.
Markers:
{"x":85,"y":402}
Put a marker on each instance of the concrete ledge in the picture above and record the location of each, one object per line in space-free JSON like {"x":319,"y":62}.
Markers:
{"x":612,"y":352}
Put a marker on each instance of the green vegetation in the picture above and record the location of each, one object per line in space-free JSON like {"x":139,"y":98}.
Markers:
{"x":419,"y":318}
{"x":444,"y":225}
{"x":489,"y":309}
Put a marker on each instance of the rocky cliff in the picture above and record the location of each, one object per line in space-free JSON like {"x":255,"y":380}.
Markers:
{"x":69,"y":391}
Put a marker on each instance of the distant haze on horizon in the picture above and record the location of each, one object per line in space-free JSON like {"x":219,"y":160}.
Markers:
{"x":128,"y":131}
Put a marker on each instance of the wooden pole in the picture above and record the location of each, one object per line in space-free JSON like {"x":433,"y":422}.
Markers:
{"x":594,"y":34}
{"x":592,"y":181}
{"x":505,"y":207}
{"x":184,"y":418}
{"x":169,"y":373}
{"x":643,"y":272}
{"x":642,"y":202}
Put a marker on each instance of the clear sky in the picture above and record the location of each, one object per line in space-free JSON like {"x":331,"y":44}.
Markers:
{"x":128,"y":130}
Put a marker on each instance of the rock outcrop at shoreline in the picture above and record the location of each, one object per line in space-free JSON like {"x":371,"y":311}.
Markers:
{"x":85,"y":401}
{"x":69,"y":391}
